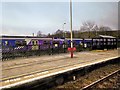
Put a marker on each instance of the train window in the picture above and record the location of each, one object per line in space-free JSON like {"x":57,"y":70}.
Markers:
{"x":101,"y":39}
{"x":54,"y":42}
{"x":80,"y":43}
{"x":104,"y":39}
{"x":6,"y":43}
{"x":36,"y":42}
{"x":45,"y":42}
{"x":109,"y":43}
{"x":0,"y":42}
{"x":109,"y":39}
{"x":23,"y":43}
{"x":56,"y":45}
{"x":112,"y":43}
{"x":32,"y":42}
{"x":18,"y":43}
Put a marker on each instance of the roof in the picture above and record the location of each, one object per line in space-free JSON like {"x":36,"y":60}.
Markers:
{"x":104,"y":36}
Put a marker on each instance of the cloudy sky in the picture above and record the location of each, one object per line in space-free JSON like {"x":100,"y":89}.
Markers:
{"x":25,"y":18}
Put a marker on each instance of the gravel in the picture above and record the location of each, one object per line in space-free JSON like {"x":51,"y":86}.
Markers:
{"x":93,"y":76}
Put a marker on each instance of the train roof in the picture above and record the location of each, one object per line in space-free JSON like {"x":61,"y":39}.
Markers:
{"x":23,"y":37}
{"x":77,"y":39}
{"x":105,"y":36}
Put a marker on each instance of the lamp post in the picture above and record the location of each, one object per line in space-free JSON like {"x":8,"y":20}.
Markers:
{"x":71,"y":28}
{"x":33,"y":34}
{"x":63,"y":30}
{"x":64,"y":36}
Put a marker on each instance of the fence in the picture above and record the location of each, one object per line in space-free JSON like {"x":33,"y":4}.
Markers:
{"x":37,"y":50}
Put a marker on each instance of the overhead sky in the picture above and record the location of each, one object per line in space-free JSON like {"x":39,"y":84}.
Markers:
{"x":25,"y":18}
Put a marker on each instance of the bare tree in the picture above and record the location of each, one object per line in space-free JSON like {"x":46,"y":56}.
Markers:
{"x":48,"y":35}
{"x":39,"y":34}
{"x":96,"y":30}
{"x":104,"y":29}
{"x":89,"y":26}
{"x":59,"y":33}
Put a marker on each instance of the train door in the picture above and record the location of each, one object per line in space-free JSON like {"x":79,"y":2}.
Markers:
{"x":35,"y":45}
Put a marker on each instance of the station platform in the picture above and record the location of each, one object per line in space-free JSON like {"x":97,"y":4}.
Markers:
{"x":24,"y":70}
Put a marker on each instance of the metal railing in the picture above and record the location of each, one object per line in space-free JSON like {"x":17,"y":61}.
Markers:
{"x":9,"y":52}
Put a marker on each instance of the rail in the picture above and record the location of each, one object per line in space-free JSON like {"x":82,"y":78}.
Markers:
{"x":100,"y":80}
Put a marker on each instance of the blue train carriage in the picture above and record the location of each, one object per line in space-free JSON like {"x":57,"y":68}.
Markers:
{"x":27,"y":43}
{"x":87,"y":43}
{"x":118,"y":42}
{"x":32,"y":43}
{"x":43,"y":44}
{"x":12,"y":43}
{"x":0,"y":44}
{"x":57,"y":45}
{"x":58,"y":42}
{"x":12,"y":46}
{"x":36,"y":43}
{"x":23,"y":45}
{"x":80,"y":44}
{"x":75,"y":42}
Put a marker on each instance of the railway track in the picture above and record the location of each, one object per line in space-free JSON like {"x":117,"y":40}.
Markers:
{"x":92,"y":85}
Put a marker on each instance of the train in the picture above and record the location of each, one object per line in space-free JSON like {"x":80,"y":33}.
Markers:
{"x":35,"y":43}
{"x":21,"y":45}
